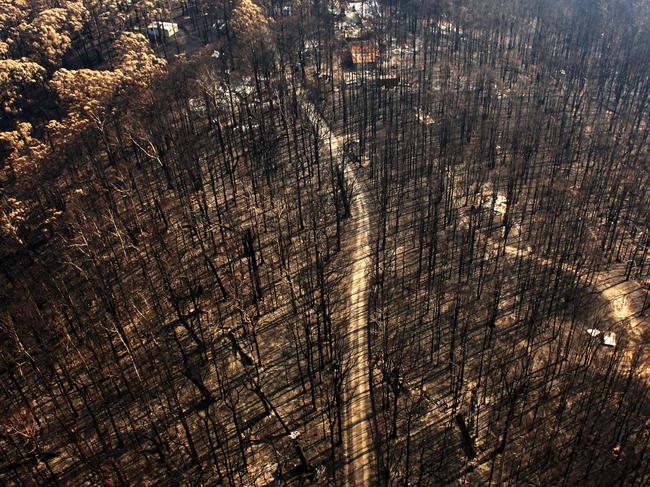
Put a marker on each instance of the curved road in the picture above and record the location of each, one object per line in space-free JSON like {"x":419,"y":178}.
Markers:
{"x":614,"y":288}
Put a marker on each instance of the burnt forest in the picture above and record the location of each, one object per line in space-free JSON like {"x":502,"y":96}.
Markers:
{"x":251,"y":243}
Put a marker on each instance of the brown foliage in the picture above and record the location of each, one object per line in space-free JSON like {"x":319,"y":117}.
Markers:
{"x":49,"y":35}
{"x":24,"y":152}
{"x":16,"y":75}
{"x":248,"y":19}
{"x":135,"y":59}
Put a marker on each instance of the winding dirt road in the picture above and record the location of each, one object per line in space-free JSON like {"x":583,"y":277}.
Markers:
{"x":357,"y":429}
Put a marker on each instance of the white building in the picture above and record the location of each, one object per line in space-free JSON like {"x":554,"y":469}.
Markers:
{"x":162,"y":30}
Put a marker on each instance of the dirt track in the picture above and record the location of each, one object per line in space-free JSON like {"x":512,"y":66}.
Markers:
{"x":359,"y":444}
{"x":357,"y":424}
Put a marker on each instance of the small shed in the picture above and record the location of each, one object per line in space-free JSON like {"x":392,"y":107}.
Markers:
{"x":162,"y":30}
{"x":286,"y":11}
{"x":364,"y":52}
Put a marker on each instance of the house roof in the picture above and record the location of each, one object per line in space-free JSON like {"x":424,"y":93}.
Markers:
{"x":364,"y":52}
